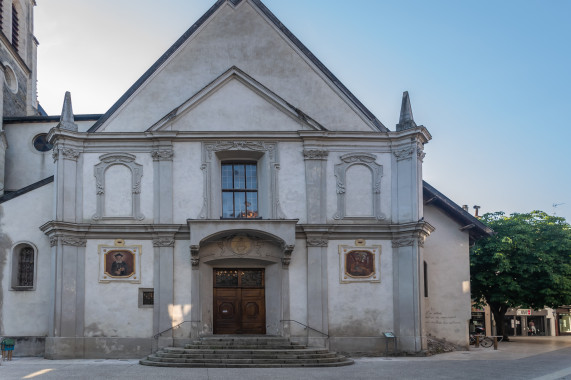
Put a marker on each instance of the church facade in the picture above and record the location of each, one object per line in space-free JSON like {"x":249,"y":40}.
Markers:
{"x":236,"y":188}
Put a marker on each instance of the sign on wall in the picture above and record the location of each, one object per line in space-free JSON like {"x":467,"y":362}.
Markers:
{"x":359,"y":263}
{"x":119,"y":262}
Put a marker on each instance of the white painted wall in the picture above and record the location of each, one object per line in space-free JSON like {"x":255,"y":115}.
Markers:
{"x":293,"y":198}
{"x":111,"y":309}
{"x":188,"y":181}
{"x":25,"y":313}
{"x":24,"y":164}
{"x":236,"y":37}
{"x":360,"y":309}
{"x":446,"y":251}
{"x":298,"y":288}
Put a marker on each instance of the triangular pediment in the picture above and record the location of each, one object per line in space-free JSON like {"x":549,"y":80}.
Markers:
{"x":245,"y":34}
{"x":235,"y":102}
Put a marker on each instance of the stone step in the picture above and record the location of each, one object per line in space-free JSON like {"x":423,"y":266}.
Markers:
{"x":269,"y":355}
{"x":341,"y":363}
{"x":245,"y":352}
{"x":249,"y":351}
{"x":244,"y":361}
{"x":240,"y":347}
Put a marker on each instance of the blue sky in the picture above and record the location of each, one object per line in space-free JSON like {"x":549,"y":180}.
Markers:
{"x":491,"y":80}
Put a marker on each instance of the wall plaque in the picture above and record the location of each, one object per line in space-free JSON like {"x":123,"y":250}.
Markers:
{"x":359,"y":263}
{"x":119,"y":262}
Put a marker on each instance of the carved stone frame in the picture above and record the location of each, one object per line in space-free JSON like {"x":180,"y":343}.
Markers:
{"x":345,"y":278}
{"x":367,"y":160}
{"x":125,"y":159}
{"x":104,"y":277}
{"x":264,"y":153}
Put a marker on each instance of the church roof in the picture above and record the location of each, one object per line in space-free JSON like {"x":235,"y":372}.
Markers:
{"x":474,"y":227}
{"x":190,"y":32}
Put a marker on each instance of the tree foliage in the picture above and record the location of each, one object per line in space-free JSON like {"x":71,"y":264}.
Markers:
{"x":526,"y":263}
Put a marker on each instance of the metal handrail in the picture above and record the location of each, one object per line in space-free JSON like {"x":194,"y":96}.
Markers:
{"x":156,"y":336}
{"x":306,"y":326}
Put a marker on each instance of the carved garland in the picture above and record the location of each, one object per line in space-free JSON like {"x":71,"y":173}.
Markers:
{"x":73,"y":241}
{"x":315,"y":154}
{"x":163,"y":242}
{"x":127,"y":160}
{"x":368,"y":160}
{"x":162,"y":155}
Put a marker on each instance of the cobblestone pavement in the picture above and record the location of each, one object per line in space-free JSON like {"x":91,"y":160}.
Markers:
{"x":540,"y":358}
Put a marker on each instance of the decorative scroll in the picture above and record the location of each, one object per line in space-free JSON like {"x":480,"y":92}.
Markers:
{"x":365,"y":159}
{"x":359,"y":263}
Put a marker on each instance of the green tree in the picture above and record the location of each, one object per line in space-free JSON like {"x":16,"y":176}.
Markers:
{"x":526,"y":263}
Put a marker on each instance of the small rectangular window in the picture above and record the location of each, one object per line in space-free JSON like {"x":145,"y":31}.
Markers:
{"x":146,"y":297}
{"x":239,"y":190}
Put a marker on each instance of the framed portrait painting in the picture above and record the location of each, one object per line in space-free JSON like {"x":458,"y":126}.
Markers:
{"x":120,"y":262}
{"x":359,"y":263}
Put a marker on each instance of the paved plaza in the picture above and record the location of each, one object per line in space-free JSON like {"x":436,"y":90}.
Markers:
{"x":540,"y":358}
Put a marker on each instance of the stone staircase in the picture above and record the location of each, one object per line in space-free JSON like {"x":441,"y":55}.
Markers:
{"x":245,"y":352}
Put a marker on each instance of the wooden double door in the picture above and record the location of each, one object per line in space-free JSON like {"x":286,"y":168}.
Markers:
{"x":239,"y":301}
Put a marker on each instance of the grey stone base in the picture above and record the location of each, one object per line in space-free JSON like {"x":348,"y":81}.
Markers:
{"x":98,"y":348}
{"x":362,"y":345}
{"x":28,"y":345}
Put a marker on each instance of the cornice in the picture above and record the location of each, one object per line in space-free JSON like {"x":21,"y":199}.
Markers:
{"x":104,"y":231}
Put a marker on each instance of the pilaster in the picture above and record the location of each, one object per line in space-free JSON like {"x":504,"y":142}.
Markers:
{"x":317,"y":288}
{"x":408,"y":302}
{"x":315,"y":174}
{"x":164,"y":286}
{"x":68,"y":297}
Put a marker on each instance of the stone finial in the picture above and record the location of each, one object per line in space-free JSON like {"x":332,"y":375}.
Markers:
{"x":406,"y":120}
{"x":66,"y":120}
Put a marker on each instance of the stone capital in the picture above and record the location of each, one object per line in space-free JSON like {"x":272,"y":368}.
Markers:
{"x":163,"y":242}
{"x":315,"y":154}
{"x":162,"y":155}
{"x":72,"y":240}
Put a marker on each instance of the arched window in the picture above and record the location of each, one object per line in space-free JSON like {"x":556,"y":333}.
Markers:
{"x":23,"y":267}
{"x":15,"y":27}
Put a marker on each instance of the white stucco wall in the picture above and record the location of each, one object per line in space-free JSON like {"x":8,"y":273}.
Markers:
{"x":111,"y":309}
{"x":446,"y":252}
{"x":188,"y":181}
{"x":236,"y":37}
{"x":293,"y":198}
{"x":298,"y":288}
{"x":24,"y":164}
{"x":363,"y":309}
{"x":25,"y":313}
